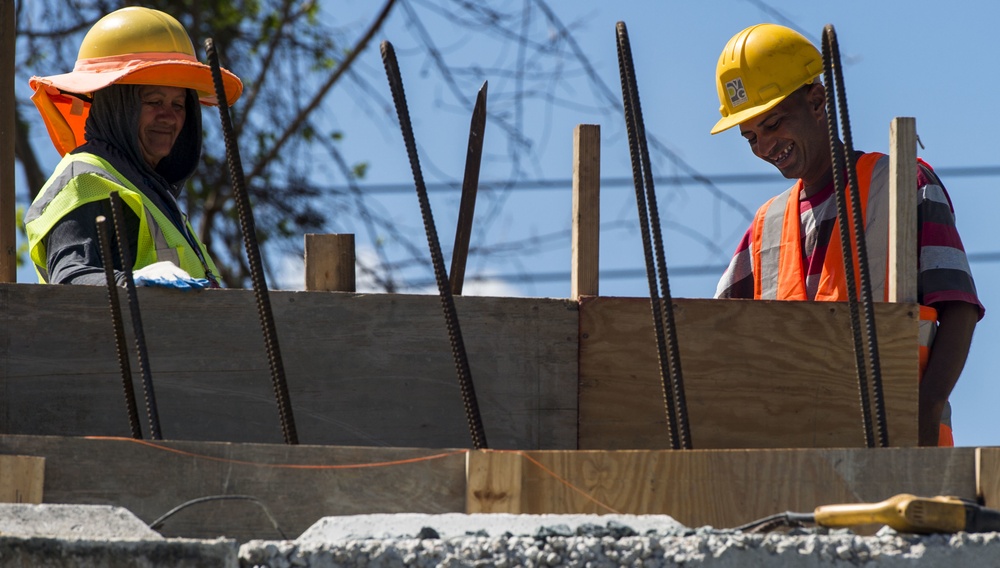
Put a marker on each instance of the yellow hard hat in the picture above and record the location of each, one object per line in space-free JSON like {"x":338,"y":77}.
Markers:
{"x":759,"y":67}
{"x":134,"y":45}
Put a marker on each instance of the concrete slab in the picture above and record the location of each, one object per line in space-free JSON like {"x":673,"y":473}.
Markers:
{"x":91,"y":522}
{"x":448,"y":525}
{"x":85,"y":553}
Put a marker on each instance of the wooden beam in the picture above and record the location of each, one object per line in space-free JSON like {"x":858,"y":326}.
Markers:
{"x":757,"y":374}
{"x":329,"y":261}
{"x":902,"y":210}
{"x":299,"y":485}
{"x":8,"y":222}
{"x":988,"y":476}
{"x":302,"y":484}
{"x":22,"y":479}
{"x":725,"y":488}
{"x":493,"y":482}
{"x":586,"y":210}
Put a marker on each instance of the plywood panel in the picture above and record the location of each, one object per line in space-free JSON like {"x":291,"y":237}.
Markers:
{"x":727,"y":488}
{"x":373,"y":370}
{"x":757,"y":374}
{"x":298,"y":484}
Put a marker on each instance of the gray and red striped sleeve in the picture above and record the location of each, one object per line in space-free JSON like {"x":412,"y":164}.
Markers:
{"x":944,"y":272}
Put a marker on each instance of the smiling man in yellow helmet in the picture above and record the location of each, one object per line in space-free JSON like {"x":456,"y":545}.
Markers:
{"x":126,"y":119}
{"x":767,"y":79}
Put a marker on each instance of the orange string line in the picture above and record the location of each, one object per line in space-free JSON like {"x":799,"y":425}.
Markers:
{"x":559,"y":478}
{"x":539,"y":465}
{"x":277,"y":465}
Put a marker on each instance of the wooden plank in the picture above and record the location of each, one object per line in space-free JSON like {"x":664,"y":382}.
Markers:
{"x":22,"y":479}
{"x":493,"y":482}
{"x":988,"y":476}
{"x":362,"y":370}
{"x":757,"y":374}
{"x":586,"y":241}
{"x":903,"y":210}
{"x":299,"y":485}
{"x":329,"y":261}
{"x":8,"y":235}
{"x":727,"y":488}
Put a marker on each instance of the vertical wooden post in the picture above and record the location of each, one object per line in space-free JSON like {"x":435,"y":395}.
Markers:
{"x":329,"y":263}
{"x":586,"y":210}
{"x":22,"y":478}
{"x":902,"y":210}
{"x":8,"y":223}
{"x":493,"y":482}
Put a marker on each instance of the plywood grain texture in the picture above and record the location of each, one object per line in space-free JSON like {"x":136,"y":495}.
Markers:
{"x":369,"y":370}
{"x":757,"y":374}
{"x":727,"y":488}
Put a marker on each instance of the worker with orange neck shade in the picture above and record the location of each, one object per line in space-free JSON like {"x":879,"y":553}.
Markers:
{"x":127,"y":119}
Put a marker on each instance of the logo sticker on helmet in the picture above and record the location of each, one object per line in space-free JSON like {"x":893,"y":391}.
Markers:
{"x":737,"y":94}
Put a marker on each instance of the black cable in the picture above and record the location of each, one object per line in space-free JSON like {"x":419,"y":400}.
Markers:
{"x":444,"y":287}
{"x":253,"y":253}
{"x":121,"y":345}
{"x":159,"y":522}
{"x":769,"y":523}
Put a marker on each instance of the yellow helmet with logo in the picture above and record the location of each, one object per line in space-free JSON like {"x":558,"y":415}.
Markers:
{"x":759,"y":67}
{"x":133,"y":45}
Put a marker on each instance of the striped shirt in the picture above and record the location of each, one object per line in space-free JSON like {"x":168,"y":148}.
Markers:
{"x":944,"y":273}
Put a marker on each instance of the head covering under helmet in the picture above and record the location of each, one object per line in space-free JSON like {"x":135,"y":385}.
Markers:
{"x":134,"y":45}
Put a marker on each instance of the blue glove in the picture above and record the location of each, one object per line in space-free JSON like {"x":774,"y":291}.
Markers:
{"x":166,"y":274}
{"x":178,"y":283}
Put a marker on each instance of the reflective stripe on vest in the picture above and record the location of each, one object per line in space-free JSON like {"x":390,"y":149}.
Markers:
{"x":777,"y":257}
{"x":781,"y":254}
{"x":163,"y":250}
{"x":154,"y":243}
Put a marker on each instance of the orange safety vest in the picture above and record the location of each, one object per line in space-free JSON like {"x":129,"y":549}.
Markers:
{"x":776,"y":249}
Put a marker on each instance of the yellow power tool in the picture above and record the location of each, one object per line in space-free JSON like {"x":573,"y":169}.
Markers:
{"x":904,"y":513}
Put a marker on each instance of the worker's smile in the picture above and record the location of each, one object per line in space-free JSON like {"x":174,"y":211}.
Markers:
{"x":783,"y":155}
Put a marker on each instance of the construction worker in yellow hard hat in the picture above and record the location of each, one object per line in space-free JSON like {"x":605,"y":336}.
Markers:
{"x":767,"y":80}
{"x":127,"y":119}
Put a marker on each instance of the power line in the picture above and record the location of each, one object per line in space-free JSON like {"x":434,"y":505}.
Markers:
{"x":718,"y":179}
{"x":630,"y":273}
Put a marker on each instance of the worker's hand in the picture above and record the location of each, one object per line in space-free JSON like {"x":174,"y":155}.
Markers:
{"x":166,"y":274}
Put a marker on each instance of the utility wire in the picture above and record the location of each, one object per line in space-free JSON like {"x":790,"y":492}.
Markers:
{"x":609,"y":182}
{"x":634,"y":273}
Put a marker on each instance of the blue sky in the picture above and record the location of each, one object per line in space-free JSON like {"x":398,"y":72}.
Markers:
{"x":903,"y":58}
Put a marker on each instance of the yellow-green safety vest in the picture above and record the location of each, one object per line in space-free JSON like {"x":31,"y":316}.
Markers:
{"x":84,"y":178}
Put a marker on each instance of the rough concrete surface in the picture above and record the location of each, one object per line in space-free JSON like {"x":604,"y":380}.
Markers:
{"x":98,"y":536}
{"x":597,"y":541}
{"x":72,"y":521}
{"x":447,"y":525}
{"x":111,"y":553}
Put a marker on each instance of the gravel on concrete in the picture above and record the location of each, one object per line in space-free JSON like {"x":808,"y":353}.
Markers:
{"x":597,"y":543}
{"x":97,"y":536}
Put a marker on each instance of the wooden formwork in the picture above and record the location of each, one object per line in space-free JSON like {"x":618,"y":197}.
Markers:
{"x":376,"y":370}
{"x":299,"y":485}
